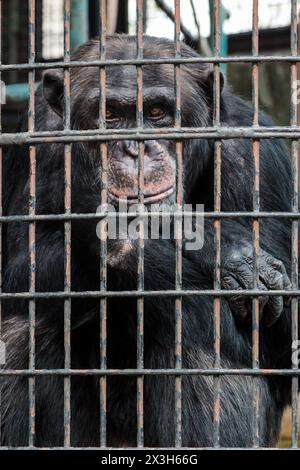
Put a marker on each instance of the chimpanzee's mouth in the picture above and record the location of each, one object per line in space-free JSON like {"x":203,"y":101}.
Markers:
{"x":121,"y":196}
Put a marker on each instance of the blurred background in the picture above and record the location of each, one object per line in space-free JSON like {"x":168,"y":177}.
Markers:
{"x":197,"y":31}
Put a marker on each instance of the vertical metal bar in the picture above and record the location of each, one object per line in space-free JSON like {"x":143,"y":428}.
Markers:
{"x":67,"y":231}
{"x":295,"y":223}
{"x":103,"y":228}
{"x":217,"y":227}
{"x":140,"y":301}
{"x":32,"y":205}
{"x":178,"y":235}
{"x":1,"y":213}
{"x":255,"y":226}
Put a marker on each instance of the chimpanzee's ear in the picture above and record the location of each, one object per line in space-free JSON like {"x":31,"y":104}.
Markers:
{"x":53,"y":89}
{"x":209,"y":82}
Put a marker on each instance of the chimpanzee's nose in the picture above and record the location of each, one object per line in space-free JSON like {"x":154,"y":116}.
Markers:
{"x":131,"y":148}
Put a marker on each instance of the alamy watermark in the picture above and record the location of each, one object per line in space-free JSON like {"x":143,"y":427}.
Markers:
{"x":153,"y":222}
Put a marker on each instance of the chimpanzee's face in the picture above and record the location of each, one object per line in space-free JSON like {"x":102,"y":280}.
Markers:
{"x":121,"y":113}
{"x":159,"y":155}
{"x":158,"y":97}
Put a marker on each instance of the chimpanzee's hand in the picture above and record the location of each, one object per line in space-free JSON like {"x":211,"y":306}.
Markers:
{"x":237,"y":274}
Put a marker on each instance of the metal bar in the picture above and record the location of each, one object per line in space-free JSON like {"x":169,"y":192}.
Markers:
{"x":67,"y":231}
{"x":150,"y":293}
{"x":217,"y":223}
{"x":141,"y":239}
{"x":168,"y":60}
{"x":255,"y":222}
{"x":32,"y":228}
{"x":259,"y":131}
{"x":103,"y":228}
{"x":295,"y":223}
{"x":134,"y":214}
{"x":149,"y":372}
{"x":178,"y":233}
{"x":162,"y":134}
{"x":1,"y":212}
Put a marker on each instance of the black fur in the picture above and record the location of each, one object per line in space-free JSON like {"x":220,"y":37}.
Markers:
{"x":198,"y":392}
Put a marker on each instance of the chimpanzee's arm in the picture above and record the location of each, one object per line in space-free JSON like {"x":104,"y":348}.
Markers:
{"x":237,"y":257}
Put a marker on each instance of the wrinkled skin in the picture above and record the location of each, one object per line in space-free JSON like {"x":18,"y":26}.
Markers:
{"x":238,"y":273}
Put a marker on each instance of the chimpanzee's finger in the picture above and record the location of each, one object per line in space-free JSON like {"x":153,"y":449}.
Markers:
{"x":240,"y":304}
{"x":246,"y":278}
{"x":286,"y":284}
{"x":273,"y":280}
{"x":237,"y":303}
{"x":273,"y":310}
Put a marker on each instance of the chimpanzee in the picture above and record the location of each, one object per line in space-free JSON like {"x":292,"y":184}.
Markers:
{"x":236,"y":391}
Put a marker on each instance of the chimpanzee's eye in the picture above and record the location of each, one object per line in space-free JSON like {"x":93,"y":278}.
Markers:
{"x":111,"y":115}
{"x":156,"y":113}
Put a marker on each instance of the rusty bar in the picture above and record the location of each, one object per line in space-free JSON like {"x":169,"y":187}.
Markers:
{"x":153,"y":293}
{"x":140,"y":301}
{"x":295,"y":223}
{"x":255,"y":222}
{"x":103,"y":229}
{"x":178,"y":234}
{"x":1,"y":212}
{"x":150,"y":372}
{"x":134,"y":214}
{"x":217,"y":226}
{"x":168,"y":60}
{"x":67,"y":231}
{"x":32,"y":226}
{"x":148,"y":134}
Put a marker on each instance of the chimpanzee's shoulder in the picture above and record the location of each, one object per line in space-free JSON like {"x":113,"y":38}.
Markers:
{"x":237,"y":111}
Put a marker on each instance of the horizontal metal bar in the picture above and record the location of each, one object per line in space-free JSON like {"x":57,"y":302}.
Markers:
{"x":145,"y":134}
{"x":155,"y":131}
{"x":138,"y":131}
{"x":150,"y":293}
{"x":143,"y":372}
{"x":167,"y":60}
{"x":135,"y":214}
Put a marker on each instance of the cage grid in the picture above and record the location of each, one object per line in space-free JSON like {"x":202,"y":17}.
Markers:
{"x":141,"y":135}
